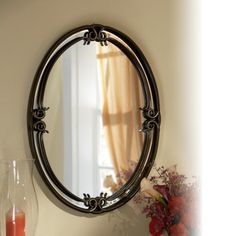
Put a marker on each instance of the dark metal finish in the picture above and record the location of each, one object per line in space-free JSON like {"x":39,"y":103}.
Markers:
{"x":95,"y":33}
{"x":95,"y":204}
{"x":151,"y":118}
{"x":38,"y":114}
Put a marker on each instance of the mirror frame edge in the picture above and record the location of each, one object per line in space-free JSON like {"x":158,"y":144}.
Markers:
{"x":35,"y":116}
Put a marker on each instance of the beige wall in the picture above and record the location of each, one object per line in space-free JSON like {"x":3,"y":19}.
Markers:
{"x":165,"y":32}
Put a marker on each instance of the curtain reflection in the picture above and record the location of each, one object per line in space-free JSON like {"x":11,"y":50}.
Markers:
{"x":121,"y":99}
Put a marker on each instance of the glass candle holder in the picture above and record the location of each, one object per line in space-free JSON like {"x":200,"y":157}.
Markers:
{"x":18,"y":201}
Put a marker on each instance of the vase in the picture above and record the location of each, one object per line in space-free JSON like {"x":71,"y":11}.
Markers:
{"x":19,"y":206}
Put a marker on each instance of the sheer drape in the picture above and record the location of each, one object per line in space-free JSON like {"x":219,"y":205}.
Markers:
{"x":121,"y":100}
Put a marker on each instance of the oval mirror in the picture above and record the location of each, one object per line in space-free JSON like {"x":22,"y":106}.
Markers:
{"x":94,"y":118}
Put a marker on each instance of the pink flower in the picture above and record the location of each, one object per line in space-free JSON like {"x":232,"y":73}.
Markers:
{"x":177,"y":205}
{"x":190,"y":215}
{"x":178,"y":230}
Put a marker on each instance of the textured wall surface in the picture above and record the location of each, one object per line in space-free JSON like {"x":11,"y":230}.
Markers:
{"x":164,"y":30}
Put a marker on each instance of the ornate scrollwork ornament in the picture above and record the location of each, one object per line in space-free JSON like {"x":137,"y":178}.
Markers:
{"x":95,"y":204}
{"x":95,"y":34}
{"x":153,"y":119}
{"x":40,"y":113}
{"x":38,"y":124}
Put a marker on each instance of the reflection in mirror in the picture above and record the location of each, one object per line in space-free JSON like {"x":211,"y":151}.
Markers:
{"x":94,"y":142}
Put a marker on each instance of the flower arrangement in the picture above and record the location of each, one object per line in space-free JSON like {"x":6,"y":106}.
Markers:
{"x":171,"y":203}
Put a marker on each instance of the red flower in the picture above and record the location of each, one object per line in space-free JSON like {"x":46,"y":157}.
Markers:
{"x":156,"y":227}
{"x":178,"y":230}
{"x":176,"y":209}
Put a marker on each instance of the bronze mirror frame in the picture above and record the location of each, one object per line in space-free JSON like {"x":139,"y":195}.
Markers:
{"x":150,"y":112}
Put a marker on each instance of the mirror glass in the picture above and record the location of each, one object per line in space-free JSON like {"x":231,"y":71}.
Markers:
{"x":94,"y":94}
